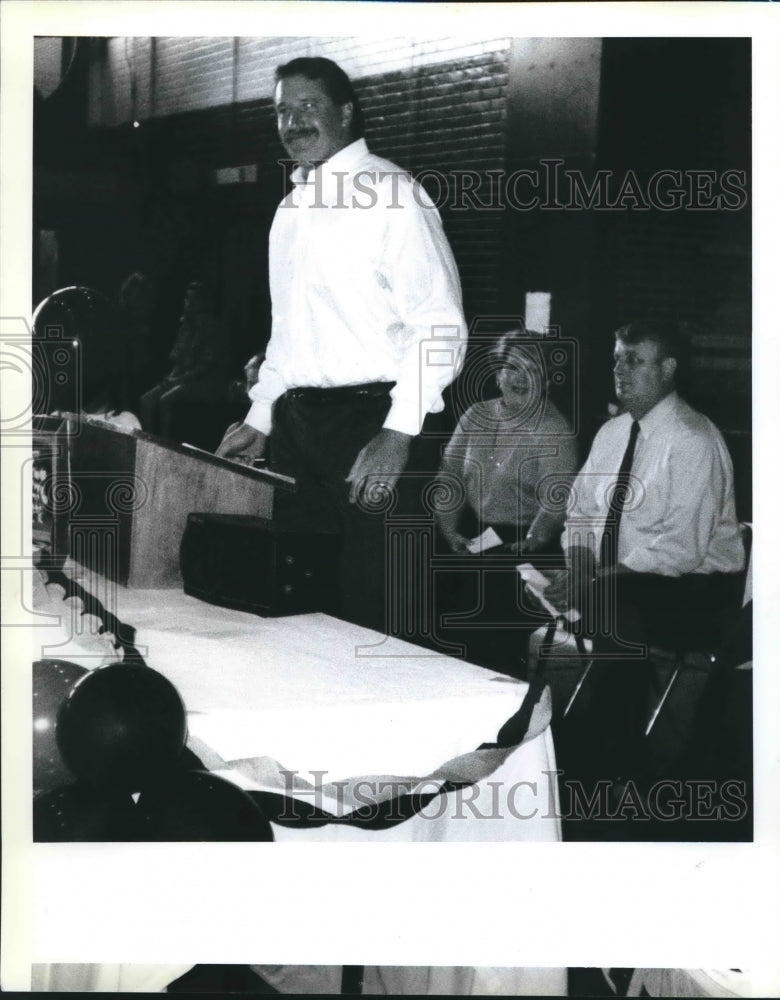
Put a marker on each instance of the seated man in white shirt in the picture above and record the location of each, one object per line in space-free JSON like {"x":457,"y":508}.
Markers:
{"x":661,"y":565}
{"x":367,"y":328}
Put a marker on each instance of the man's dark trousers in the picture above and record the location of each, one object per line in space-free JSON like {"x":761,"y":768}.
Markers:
{"x":316,"y":436}
{"x":632,"y":612}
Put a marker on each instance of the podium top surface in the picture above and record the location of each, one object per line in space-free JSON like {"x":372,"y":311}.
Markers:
{"x":69,"y":423}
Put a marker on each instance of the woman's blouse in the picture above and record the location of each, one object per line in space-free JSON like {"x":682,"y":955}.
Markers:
{"x":511,"y":461}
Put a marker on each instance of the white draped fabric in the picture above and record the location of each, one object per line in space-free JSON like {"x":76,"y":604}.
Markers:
{"x":339,"y":705}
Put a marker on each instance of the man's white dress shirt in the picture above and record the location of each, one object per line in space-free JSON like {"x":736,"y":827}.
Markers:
{"x":680,"y":517}
{"x":364,"y":288}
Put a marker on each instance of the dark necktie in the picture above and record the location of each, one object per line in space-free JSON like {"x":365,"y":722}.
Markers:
{"x":620,"y":492}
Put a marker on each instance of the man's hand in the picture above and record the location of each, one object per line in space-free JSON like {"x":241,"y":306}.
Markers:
{"x":569,"y":588}
{"x":558,"y":593}
{"x":536,"y":604}
{"x":244,"y":444}
{"x":379,"y":463}
{"x":573,"y":586}
{"x":456,"y":541}
{"x":547,"y":527}
{"x":522,"y":548}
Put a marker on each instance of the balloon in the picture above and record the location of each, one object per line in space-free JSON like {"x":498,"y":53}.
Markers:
{"x":122,"y":726}
{"x":80,"y":813}
{"x":197,"y":805}
{"x":76,"y":342}
{"x":52,"y":681}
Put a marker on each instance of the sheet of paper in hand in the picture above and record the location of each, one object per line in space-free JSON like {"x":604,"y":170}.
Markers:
{"x":487,"y":540}
{"x":537,"y":583}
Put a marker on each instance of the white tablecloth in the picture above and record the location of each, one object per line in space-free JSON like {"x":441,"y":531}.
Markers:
{"x":331,"y":701}
{"x":327,"y":701}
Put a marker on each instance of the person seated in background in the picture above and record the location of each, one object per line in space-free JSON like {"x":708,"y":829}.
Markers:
{"x":197,"y":356}
{"x":511,"y":451}
{"x":514,"y":458}
{"x":654,"y":551}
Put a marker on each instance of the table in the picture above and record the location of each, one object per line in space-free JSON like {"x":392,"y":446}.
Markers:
{"x":335,"y":703}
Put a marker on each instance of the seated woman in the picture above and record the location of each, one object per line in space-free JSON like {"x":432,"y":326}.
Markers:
{"x":510,"y":453}
{"x":198,"y":364}
{"x":514,"y":458}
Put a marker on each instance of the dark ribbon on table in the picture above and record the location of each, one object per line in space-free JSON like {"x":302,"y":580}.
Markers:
{"x":124,"y":634}
{"x":287,"y":810}
{"x":293,"y":812}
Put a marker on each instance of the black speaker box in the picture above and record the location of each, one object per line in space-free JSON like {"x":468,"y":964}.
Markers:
{"x":251,"y":564}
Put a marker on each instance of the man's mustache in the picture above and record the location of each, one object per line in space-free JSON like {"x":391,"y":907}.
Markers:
{"x":299,"y":133}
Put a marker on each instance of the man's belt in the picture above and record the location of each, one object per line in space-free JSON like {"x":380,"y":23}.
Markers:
{"x":339,"y":393}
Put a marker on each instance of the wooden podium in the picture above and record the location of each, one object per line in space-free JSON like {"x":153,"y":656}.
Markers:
{"x":118,"y":500}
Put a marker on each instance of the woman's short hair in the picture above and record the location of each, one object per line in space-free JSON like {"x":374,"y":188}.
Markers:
{"x":518,"y":341}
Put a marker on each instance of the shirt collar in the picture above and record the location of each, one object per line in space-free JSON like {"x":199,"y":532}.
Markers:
{"x":344,"y":161}
{"x":655,"y":418}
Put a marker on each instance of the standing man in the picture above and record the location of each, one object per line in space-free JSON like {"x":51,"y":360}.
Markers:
{"x":652,"y":541}
{"x":367,"y":328}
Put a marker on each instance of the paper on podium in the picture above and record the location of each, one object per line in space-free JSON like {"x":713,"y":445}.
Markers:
{"x":487,"y":540}
{"x":537,"y":583}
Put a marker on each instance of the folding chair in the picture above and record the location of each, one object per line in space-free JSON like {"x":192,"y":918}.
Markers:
{"x":721,"y":655}
{"x":552,"y":657}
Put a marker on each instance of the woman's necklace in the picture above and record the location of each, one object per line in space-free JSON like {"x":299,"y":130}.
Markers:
{"x":509,"y":423}
{"x":498,"y":454}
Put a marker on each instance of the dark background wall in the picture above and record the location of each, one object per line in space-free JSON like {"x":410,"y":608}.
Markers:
{"x":684,"y":104}
{"x":122,"y":198}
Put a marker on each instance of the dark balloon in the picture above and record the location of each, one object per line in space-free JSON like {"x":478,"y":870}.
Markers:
{"x":122,"y":726}
{"x":52,"y":682}
{"x":75,"y":345}
{"x":196,"y":805}
{"x":81,"y":813}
